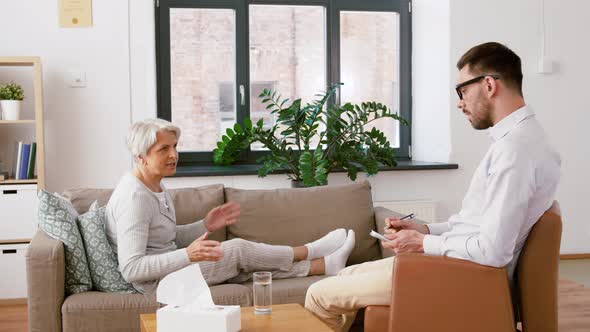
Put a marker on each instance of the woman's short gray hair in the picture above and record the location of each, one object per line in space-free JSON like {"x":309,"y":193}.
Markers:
{"x":142,"y":135}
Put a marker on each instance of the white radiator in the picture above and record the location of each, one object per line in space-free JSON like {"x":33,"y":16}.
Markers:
{"x":423,"y":210}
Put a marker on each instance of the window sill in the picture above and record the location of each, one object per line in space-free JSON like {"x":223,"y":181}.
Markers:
{"x":402,"y":165}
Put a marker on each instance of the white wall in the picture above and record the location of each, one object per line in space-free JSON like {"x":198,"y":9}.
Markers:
{"x":85,"y":128}
{"x":559,"y":99}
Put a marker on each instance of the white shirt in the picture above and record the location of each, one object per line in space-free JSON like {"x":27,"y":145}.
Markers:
{"x":513,"y":186}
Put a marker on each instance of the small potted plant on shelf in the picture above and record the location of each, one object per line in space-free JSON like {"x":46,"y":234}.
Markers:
{"x":11,"y":96}
{"x":311,"y":140}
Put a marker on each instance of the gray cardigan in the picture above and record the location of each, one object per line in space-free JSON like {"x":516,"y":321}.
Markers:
{"x":141,"y":227}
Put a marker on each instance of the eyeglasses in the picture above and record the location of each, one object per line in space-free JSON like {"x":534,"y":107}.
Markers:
{"x":473,"y":80}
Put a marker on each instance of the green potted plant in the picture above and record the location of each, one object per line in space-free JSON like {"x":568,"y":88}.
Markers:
{"x":11,"y":96}
{"x":311,"y":140}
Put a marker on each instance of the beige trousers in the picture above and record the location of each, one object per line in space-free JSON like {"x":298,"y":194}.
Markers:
{"x":337,"y":299}
{"x":242,"y":257}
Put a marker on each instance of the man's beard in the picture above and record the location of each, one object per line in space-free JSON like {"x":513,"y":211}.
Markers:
{"x":482,"y":118}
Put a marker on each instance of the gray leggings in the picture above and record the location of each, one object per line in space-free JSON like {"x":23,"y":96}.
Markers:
{"x":242,"y":257}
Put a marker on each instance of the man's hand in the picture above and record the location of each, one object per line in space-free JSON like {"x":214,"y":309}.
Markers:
{"x":202,"y":249}
{"x":393,"y":225}
{"x":404,"y":241}
{"x":222,"y":216}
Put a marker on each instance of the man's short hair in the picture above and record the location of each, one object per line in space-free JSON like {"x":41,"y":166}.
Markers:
{"x":494,"y":58}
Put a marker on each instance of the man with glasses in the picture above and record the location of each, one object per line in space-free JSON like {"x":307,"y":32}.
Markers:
{"x":511,"y":188}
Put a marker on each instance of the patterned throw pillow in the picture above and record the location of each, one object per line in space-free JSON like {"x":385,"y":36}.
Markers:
{"x":57,"y":218}
{"x":102,"y":260}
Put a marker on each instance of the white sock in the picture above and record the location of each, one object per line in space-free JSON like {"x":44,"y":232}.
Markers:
{"x":326,"y":245}
{"x":337,"y":260}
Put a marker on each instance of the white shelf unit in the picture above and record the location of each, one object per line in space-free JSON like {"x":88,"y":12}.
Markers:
{"x":18,"y":198}
{"x":36,"y":122}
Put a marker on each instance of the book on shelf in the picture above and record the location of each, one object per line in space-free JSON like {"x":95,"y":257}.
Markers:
{"x":24,"y":162}
{"x":3,"y":174}
{"x":18,"y":160}
{"x":31,"y":164}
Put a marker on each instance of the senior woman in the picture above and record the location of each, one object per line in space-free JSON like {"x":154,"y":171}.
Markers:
{"x":142,"y":228}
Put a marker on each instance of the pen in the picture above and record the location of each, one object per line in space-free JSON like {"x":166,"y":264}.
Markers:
{"x":408,"y":217}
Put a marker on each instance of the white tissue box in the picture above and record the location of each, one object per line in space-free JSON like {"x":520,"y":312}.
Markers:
{"x":188,"y":319}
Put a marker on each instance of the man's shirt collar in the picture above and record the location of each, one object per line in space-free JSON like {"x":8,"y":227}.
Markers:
{"x":505,"y":125}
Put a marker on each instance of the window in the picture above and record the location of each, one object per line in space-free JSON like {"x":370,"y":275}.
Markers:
{"x":371,"y":75}
{"x":214,"y":57}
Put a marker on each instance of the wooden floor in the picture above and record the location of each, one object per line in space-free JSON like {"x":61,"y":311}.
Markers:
{"x":13,"y":318}
{"x":574,"y":307}
{"x":574,"y":311}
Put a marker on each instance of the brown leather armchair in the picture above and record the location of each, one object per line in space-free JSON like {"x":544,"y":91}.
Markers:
{"x":442,"y":294}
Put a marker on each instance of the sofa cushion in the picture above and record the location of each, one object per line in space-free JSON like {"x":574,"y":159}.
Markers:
{"x":291,"y":290}
{"x":231,"y":294}
{"x":82,"y":198}
{"x":191,"y":204}
{"x":298,"y":216}
{"x":102,"y":260}
{"x":57,"y":218}
{"x":98,"y":311}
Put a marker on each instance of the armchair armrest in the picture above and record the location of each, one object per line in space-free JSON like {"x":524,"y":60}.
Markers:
{"x":45,"y":262}
{"x":433,"y":293}
{"x":376,"y":318}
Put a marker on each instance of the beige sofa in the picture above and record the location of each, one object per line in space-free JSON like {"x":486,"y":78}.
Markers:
{"x":281,"y":216}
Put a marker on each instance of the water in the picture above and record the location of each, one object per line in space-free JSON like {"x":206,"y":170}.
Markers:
{"x":262,"y":297}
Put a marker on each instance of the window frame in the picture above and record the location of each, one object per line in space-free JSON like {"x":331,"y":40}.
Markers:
{"x":242,"y":61}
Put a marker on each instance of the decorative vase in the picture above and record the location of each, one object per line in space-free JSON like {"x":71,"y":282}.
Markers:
{"x":10,"y":109}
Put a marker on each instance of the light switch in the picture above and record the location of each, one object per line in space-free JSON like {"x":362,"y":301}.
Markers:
{"x":77,"y":79}
{"x":545,"y":66}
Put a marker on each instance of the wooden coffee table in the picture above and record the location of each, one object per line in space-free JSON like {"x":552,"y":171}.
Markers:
{"x":284,"y":317}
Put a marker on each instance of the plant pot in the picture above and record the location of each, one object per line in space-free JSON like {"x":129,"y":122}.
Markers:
{"x":10,"y":109}
{"x":297,"y":184}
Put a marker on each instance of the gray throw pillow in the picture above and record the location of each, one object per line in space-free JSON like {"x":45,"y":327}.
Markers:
{"x":57,"y":218}
{"x":102,"y":260}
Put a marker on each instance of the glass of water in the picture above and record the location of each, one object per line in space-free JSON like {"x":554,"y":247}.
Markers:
{"x":262,"y":293}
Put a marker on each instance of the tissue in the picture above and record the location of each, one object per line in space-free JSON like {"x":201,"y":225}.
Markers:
{"x":189,"y":304}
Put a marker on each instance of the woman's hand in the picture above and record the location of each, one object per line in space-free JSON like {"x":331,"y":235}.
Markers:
{"x":222,"y":216}
{"x":202,"y":249}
